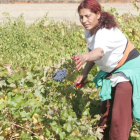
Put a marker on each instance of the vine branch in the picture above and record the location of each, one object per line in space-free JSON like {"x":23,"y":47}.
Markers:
{"x":21,"y":127}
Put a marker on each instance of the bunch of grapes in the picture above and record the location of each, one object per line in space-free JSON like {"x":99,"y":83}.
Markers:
{"x":60,"y":75}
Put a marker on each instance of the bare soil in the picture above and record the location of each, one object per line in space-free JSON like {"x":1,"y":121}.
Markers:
{"x":58,"y":12}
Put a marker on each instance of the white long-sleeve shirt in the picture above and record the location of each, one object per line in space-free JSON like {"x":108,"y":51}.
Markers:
{"x":113,"y":42}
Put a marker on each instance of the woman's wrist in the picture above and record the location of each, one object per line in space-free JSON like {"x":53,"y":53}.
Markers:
{"x":86,"y":57}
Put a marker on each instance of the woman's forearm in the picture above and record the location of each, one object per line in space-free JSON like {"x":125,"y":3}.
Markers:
{"x":88,"y":67}
{"x":94,"y":55}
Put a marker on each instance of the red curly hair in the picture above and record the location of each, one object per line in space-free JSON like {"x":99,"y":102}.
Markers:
{"x":106,"y":19}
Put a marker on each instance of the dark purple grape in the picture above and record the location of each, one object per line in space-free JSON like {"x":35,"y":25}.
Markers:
{"x":60,"y":74}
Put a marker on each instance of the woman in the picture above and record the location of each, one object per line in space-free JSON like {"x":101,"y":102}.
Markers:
{"x":120,"y":72}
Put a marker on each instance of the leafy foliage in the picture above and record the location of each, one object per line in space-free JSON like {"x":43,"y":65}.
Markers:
{"x":32,"y":104}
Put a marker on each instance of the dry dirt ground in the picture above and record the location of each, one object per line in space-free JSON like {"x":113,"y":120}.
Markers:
{"x":59,"y":12}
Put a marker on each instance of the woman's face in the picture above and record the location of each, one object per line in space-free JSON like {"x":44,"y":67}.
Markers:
{"x":88,"y":19}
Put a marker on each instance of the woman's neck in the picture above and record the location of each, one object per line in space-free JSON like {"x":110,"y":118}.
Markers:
{"x":92,"y":32}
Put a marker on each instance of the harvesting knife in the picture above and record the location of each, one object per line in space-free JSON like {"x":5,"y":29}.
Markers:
{"x":78,"y":85}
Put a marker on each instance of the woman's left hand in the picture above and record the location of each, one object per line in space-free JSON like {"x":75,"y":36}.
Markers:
{"x":80,"y":60}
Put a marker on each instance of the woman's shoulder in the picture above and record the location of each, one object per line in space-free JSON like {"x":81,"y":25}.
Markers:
{"x":109,"y":33}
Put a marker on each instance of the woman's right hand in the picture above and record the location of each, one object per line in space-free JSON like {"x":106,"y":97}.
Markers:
{"x":80,"y":78}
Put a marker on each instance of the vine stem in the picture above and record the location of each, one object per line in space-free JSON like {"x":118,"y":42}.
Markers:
{"x":99,"y":127}
{"x":21,"y":127}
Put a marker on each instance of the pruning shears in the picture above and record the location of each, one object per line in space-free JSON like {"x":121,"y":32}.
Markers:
{"x":78,"y":85}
